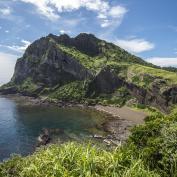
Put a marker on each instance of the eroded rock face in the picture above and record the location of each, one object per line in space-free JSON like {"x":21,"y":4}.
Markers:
{"x":46,"y":64}
{"x":154,"y":96}
{"x":85,"y":43}
{"x":104,"y":83}
{"x":107,"y":82}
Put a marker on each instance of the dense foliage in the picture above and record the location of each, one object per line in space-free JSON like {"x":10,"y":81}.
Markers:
{"x":72,"y":91}
{"x":75,"y":160}
{"x":149,"y":152}
{"x":144,"y":76}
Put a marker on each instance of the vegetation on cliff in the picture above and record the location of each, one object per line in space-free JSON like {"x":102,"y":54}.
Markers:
{"x":87,"y":69}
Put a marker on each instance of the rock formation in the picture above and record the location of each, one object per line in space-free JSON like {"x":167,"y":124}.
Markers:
{"x":50,"y":64}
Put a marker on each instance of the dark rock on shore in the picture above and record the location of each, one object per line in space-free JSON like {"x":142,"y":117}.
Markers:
{"x":8,"y":90}
{"x":43,"y":138}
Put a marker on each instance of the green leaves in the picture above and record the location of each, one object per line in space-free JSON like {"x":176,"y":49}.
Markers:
{"x":72,"y":91}
{"x":73,"y":160}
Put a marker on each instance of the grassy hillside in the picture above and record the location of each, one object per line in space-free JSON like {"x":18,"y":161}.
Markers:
{"x":144,"y":75}
{"x":77,"y":160}
{"x":111,"y":54}
{"x":127,"y":66}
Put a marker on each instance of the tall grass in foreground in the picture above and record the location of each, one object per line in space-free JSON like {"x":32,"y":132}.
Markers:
{"x":76,"y":160}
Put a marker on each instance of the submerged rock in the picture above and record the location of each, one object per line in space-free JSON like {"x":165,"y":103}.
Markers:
{"x":46,"y":135}
{"x":44,"y":138}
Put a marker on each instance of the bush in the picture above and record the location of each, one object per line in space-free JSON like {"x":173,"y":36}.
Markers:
{"x":72,"y":91}
{"x":75,"y":160}
{"x":157,"y":143}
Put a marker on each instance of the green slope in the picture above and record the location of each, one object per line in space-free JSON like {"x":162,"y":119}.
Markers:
{"x":94,"y":55}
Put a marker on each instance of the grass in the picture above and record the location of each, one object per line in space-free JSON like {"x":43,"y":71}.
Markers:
{"x":73,"y":160}
{"x":74,"y":91}
{"x":28,"y":86}
{"x":118,"y":98}
{"x":111,"y":55}
{"x":144,"y":76}
{"x":119,"y":60}
{"x":84,"y":59}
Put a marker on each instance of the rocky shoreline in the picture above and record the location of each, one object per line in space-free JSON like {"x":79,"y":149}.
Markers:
{"x":117,"y":125}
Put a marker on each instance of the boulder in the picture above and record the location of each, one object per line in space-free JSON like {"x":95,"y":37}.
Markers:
{"x":43,"y":138}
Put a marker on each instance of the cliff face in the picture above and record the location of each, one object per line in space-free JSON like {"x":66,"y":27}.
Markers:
{"x":60,"y":64}
{"x":153,"y":97}
{"x":106,"y":82}
{"x":47,"y":65}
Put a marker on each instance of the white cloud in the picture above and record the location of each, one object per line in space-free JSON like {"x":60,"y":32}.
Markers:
{"x":44,"y":9}
{"x":135,"y":45}
{"x":160,"y":61}
{"x":106,"y":14}
{"x":5,"y":11}
{"x":6,"y":31}
{"x":117,"y":11}
{"x":105,"y":23}
{"x":7,"y":64}
{"x":64,"y":31}
{"x":113,"y":17}
{"x":102,"y":16}
{"x":68,"y":5}
{"x":17,"y":48}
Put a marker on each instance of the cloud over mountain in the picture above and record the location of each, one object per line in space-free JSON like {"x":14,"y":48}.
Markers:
{"x":106,"y":14}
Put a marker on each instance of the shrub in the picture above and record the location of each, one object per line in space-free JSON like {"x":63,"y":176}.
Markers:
{"x":75,"y":160}
{"x":72,"y":91}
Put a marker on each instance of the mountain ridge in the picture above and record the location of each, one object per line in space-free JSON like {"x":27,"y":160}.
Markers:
{"x":86,"y":68}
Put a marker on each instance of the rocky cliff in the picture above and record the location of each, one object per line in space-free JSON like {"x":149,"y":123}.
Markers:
{"x":48,"y":66}
{"x":87,"y":68}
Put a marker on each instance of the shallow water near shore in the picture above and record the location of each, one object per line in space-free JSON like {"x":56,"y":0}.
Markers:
{"x":21,"y":124}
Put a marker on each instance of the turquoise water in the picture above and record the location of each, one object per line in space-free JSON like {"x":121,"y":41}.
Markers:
{"x":21,"y":124}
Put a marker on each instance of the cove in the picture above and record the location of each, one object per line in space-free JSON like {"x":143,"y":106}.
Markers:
{"x":20,"y":125}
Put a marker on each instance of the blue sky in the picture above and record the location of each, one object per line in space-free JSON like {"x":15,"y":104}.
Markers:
{"x":146,"y":28}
